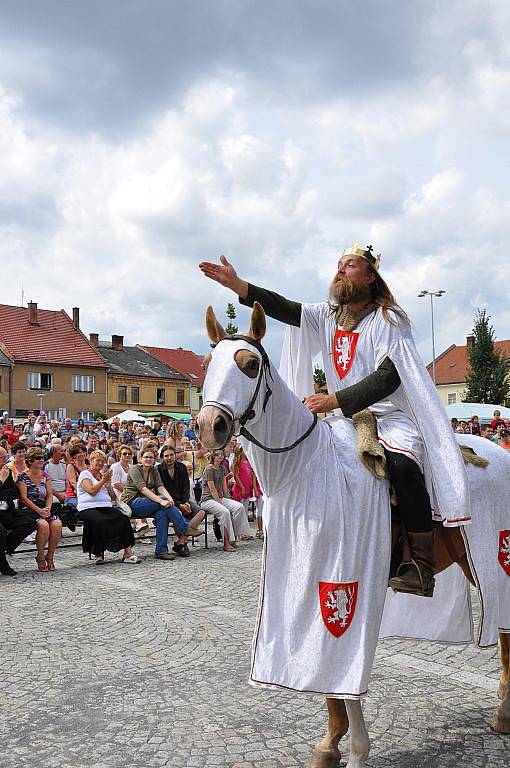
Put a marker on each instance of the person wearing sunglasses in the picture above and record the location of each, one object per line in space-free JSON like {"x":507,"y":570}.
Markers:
{"x":36,"y":497}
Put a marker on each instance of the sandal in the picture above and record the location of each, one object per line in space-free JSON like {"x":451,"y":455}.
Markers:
{"x":51,"y":564}
{"x":42,"y":565}
{"x":181,"y":550}
{"x":143,"y":528}
{"x":100,"y":561}
{"x":133,"y":560}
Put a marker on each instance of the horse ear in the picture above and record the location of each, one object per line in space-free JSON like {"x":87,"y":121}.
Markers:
{"x":214,"y":328}
{"x":258,"y":322}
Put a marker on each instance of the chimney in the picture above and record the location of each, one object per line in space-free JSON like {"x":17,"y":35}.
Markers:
{"x":118,"y":343}
{"x":94,"y":339}
{"x":470,"y":342}
{"x":76,"y":318}
{"x":32,"y":313}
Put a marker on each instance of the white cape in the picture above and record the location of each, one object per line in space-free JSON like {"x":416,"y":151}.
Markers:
{"x":444,"y":470}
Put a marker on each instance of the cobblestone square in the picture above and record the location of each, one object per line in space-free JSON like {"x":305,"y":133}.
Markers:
{"x":147,"y":666}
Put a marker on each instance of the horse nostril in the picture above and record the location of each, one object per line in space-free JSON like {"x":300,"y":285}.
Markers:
{"x":220,"y":424}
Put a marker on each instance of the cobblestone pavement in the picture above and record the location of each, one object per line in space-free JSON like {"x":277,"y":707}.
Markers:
{"x":146,"y":666}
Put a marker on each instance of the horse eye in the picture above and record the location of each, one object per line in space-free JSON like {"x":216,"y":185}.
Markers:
{"x":248,"y":365}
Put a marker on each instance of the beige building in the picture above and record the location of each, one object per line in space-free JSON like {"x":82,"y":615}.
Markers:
{"x":188,"y":364}
{"x":52,"y":365}
{"x":452,"y":367}
{"x":139,"y":382}
{"x":5,"y":382}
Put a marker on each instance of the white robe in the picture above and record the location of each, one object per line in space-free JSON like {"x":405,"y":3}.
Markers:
{"x":412,"y":419}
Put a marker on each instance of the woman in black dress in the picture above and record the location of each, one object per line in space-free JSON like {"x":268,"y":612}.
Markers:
{"x":105,"y":527}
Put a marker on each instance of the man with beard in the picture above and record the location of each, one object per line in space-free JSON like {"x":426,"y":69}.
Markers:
{"x":370,"y":361}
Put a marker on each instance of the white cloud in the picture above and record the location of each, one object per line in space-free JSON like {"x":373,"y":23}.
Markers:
{"x":118,"y":223}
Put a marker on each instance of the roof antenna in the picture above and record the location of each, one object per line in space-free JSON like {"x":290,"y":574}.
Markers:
{"x":22,"y":296}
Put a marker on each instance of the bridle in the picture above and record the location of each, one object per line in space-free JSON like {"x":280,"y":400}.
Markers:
{"x":249,"y":412}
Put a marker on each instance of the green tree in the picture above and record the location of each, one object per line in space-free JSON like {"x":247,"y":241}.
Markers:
{"x":319,"y":377}
{"x":231,"y":314}
{"x":486,"y":381}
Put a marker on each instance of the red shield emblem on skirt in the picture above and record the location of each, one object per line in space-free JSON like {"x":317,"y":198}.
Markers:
{"x":344,"y":347}
{"x":504,"y":551}
{"x":338,"y":603}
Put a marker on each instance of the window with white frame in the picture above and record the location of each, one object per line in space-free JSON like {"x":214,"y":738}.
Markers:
{"x":40,"y":381}
{"x":452,"y":398}
{"x":83,"y":383}
{"x":87,"y":415}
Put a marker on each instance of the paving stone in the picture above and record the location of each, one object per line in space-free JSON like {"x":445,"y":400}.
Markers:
{"x":112,"y":666}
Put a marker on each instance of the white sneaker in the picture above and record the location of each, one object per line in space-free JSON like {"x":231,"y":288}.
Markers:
{"x":29,"y":539}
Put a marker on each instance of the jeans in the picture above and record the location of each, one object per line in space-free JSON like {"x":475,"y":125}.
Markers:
{"x":141,"y":506}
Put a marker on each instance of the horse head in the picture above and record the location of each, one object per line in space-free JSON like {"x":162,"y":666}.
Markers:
{"x":234,"y":370}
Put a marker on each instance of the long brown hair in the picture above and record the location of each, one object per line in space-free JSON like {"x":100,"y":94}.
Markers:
{"x":238,"y":456}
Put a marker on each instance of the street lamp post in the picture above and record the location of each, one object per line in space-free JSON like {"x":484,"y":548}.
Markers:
{"x":40,"y":395}
{"x":432,"y":294}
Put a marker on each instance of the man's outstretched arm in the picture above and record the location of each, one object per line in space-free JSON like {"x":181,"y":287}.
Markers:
{"x":276,"y":306}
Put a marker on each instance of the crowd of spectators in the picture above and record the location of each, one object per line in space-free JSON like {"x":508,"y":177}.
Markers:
{"x":498,"y":430}
{"x":118,"y":479}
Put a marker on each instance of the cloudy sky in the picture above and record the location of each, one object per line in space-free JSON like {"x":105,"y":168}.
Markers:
{"x":138,"y":137}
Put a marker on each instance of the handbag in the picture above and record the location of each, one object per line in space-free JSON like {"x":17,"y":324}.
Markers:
{"x":122,"y":507}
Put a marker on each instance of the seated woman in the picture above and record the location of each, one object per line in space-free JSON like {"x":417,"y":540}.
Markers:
{"x":75,"y":466}
{"x":105,"y":528}
{"x":174,"y":476}
{"x":14,"y":523}
{"x":147,"y":497}
{"x":230,"y":514}
{"x":175,"y":437}
{"x":36,"y":499}
{"x":120,"y":469}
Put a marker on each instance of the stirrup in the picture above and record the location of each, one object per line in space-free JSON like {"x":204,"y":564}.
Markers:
{"x":419,"y":591}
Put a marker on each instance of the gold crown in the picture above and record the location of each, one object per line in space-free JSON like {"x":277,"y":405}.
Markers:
{"x":365,"y":253}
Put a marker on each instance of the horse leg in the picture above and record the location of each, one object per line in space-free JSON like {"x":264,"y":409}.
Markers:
{"x":504,"y":652}
{"x":501,"y":721}
{"x":326,"y":754}
{"x":359,"y":742}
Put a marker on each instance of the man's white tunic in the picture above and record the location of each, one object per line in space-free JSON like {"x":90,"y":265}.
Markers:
{"x":412,"y":420}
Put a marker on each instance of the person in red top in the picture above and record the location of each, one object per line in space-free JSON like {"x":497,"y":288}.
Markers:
{"x":497,"y":420}
{"x":10,"y":433}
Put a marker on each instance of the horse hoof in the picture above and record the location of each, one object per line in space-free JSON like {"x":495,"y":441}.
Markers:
{"x":321,"y":759}
{"x":501,"y":725}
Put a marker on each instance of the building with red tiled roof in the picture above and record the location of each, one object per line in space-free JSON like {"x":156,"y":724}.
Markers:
{"x":452,"y":367}
{"x":187,"y":363}
{"x":53,"y":364}
{"x":141,"y":382}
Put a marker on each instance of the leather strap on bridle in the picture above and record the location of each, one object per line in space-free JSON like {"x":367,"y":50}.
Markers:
{"x":249,"y":413}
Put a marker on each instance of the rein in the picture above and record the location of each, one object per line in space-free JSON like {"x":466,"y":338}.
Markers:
{"x":249,"y":413}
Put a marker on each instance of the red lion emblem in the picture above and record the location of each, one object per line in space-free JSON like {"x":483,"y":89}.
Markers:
{"x":338,"y":603}
{"x":504,"y":551}
{"x":344,"y":347}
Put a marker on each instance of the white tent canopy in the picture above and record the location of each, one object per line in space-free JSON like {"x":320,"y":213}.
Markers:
{"x":127,"y":416}
{"x":484,"y":411}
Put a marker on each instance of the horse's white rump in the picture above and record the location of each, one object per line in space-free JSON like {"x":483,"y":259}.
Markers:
{"x":329,"y":523}
{"x":447,"y":616}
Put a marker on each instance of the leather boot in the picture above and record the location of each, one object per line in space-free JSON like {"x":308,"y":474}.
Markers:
{"x":416,"y":576}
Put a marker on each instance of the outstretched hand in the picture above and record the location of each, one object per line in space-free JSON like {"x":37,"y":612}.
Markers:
{"x":224,"y":274}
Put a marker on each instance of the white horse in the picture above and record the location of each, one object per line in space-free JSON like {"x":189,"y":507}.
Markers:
{"x":321,"y":506}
